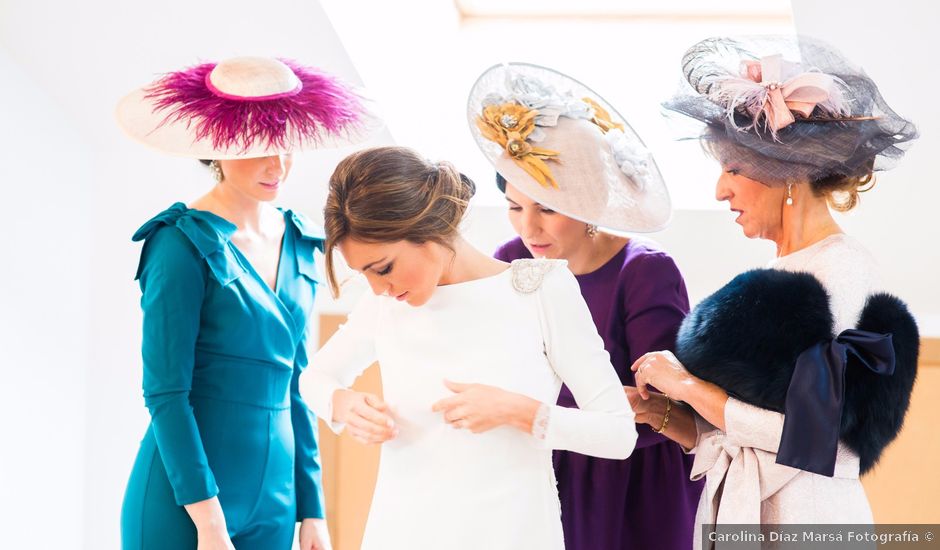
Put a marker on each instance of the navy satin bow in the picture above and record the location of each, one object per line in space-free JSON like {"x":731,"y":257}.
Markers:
{"x":817,"y":393}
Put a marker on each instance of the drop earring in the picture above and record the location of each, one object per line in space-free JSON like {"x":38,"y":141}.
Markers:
{"x":789,"y":194}
{"x":591,"y":230}
{"x":216,"y":171}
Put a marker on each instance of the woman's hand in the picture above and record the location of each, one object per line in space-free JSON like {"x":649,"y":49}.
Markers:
{"x":647,"y":411}
{"x":479,"y":408}
{"x":211,"y":531}
{"x":663,"y":371}
{"x":367,"y":418}
{"x":652,"y":411}
{"x":314,"y":535}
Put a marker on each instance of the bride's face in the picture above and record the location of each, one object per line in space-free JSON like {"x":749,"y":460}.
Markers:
{"x":404,"y":270}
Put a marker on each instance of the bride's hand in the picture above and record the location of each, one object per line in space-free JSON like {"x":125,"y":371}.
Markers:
{"x":479,"y":408}
{"x":367,"y":418}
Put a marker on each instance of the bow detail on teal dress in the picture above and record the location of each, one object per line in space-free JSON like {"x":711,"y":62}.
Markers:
{"x":208,"y":233}
{"x":310,"y":238}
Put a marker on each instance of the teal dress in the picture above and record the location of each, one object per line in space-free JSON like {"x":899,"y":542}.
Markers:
{"x":222,"y":354}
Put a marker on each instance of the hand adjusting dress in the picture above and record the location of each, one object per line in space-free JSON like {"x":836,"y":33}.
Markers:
{"x":222,"y":354}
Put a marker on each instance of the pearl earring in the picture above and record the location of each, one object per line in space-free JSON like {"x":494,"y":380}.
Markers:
{"x":216,"y":171}
{"x":789,"y":194}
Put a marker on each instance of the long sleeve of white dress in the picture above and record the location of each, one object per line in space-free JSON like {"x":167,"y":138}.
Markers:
{"x":342,"y":359}
{"x":604,"y":424}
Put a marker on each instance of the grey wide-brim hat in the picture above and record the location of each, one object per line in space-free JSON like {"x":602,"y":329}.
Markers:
{"x":788,"y":109}
{"x":558,"y":142}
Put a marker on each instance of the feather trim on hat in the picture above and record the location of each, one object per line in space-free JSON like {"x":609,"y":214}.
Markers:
{"x":321,"y":106}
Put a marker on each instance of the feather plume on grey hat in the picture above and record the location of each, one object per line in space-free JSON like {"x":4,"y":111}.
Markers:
{"x":788,"y":109}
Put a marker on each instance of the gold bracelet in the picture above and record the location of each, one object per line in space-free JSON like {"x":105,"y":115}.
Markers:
{"x":665,"y":416}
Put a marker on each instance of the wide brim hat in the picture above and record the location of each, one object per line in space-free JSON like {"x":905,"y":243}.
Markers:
{"x":563,"y":146}
{"x":788,"y":109}
{"x":246,"y":107}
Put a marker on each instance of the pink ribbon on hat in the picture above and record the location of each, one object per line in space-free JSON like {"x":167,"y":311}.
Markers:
{"x":799,"y":94}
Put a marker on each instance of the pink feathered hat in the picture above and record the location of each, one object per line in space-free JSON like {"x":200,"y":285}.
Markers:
{"x":246,"y":107}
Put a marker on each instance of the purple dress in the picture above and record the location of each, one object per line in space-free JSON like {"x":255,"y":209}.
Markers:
{"x":637,"y":300}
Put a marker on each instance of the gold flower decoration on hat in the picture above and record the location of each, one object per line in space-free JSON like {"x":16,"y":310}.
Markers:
{"x":509,"y":125}
{"x":601,"y":117}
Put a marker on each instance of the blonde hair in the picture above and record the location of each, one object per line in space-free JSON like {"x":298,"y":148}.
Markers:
{"x":842,"y":192}
{"x":390,"y":194}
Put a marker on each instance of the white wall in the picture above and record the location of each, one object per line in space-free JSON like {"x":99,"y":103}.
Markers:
{"x":45,"y":242}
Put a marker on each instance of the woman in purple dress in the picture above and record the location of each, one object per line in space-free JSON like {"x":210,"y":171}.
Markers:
{"x":574,"y":173}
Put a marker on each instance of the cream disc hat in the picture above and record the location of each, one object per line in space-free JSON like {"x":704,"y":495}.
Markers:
{"x":246,"y":107}
{"x":558,"y":142}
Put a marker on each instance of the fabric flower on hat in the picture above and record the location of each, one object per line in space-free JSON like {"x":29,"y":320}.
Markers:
{"x":536,"y":94}
{"x":774,"y":91}
{"x":509,"y":124}
{"x":630,"y":155}
{"x":601,"y":117}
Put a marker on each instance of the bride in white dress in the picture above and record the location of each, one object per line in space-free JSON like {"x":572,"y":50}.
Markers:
{"x":473,"y":352}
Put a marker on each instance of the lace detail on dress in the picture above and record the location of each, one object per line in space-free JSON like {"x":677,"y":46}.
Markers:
{"x":540,"y":424}
{"x":527,"y":274}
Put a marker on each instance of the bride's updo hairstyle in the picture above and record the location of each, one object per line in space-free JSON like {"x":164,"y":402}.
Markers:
{"x":390,"y":194}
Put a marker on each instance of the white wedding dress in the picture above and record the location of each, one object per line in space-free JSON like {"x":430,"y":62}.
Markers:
{"x":525,"y":330}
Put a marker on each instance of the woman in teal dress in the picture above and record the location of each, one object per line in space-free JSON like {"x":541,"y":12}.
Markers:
{"x":230,"y":457}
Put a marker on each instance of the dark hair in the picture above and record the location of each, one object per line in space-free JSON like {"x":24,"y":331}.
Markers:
{"x":390,"y":194}
{"x":501,"y":183}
